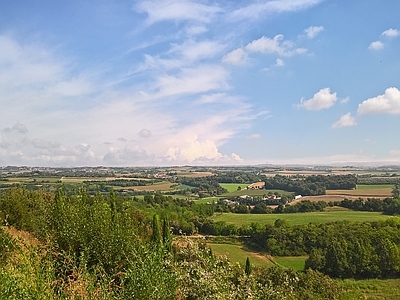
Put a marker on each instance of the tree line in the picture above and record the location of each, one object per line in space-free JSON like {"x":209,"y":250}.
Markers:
{"x":311,"y":185}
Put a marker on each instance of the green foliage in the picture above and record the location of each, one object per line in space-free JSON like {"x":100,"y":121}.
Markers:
{"x":247,"y":268}
{"x":311,"y":185}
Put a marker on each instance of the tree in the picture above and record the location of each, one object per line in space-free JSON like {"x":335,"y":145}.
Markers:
{"x":396,"y":191}
{"x":166,"y":235}
{"x":156,"y":234}
{"x":247,"y":269}
{"x":336,"y":264}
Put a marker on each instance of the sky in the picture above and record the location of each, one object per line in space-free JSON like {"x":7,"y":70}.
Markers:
{"x":199,"y":82}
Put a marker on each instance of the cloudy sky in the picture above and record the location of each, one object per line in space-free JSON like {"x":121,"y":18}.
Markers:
{"x":199,"y":82}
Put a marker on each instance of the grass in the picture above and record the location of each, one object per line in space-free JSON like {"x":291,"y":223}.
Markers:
{"x":162,"y":186}
{"x":371,"y":289}
{"x":207,"y":200}
{"x":254,"y":193}
{"x":295,"y":262}
{"x":232,"y":187}
{"x":374,"y":186}
{"x":237,"y":253}
{"x":300,"y":218}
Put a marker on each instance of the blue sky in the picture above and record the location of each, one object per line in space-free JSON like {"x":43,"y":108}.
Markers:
{"x":185,"y":82}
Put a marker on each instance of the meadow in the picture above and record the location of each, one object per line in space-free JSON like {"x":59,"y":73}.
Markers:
{"x":299,"y":218}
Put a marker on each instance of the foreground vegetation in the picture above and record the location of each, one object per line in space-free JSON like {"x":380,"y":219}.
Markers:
{"x":80,"y":247}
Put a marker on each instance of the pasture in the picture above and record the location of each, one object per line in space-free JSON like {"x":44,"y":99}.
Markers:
{"x":233,"y":187}
{"x":371,"y":289}
{"x":295,"y":262}
{"x":239,"y":253}
{"x":299,"y":218}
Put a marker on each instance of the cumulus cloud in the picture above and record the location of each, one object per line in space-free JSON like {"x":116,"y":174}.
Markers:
{"x":17,"y":127}
{"x":391,"y":32}
{"x":275,"y":45}
{"x":321,"y":100}
{"x":236,"y":57}
{"x":346,"y":120}
{"x":132,"y":154}
{"x":377,"y":45}
{"x":313,"y":31}
{"x":388,"y":103}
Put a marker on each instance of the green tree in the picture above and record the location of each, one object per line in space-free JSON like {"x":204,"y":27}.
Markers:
{"x":248,"y":268}
{"x":166,"y":235}
{"x":156,"y":233}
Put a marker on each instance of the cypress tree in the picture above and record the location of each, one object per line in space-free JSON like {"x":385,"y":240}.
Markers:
{"x":156,"y":234}
{"x":247,"y":269}
{"x":166,"y":235}
{"x":113,"y":205}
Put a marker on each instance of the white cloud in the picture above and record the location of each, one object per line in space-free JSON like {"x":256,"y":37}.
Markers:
{"x":388,"y":103}
{"x":313,"y":31}
{"x":275,"y":45}
{"x":391,"y":32}
{"x":174,"y":10}
{"x":236,"y":57}
{"x":256,"y":10}
{"x":279,"y":62}
{"x":17,"y":127}
{"x":193,"y":51}
{"x":346,"y":120}
{"x":378,"y":45}
{"x":193,"y":80}
{"x":321,"y":100}
{"x":345,"y":100}
{"x":195,"y":30}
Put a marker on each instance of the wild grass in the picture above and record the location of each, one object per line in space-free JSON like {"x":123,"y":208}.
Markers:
{"x":295,"y":262}
{"x":299,"y":218}
{"x":371,"y":289}
{"x":232,"y":187}
{"x":237,"y":253}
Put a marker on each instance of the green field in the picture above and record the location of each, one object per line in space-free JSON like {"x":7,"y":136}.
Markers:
{"x":237,"y":253}
{"x":254,"y":193}
{"x":295,"y":262}
{"x":374,"y":186}
{"x":300,"y":218}
{"x":371,"y":289}
{"x":207,"y":200}
{"x":232,"y":187}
